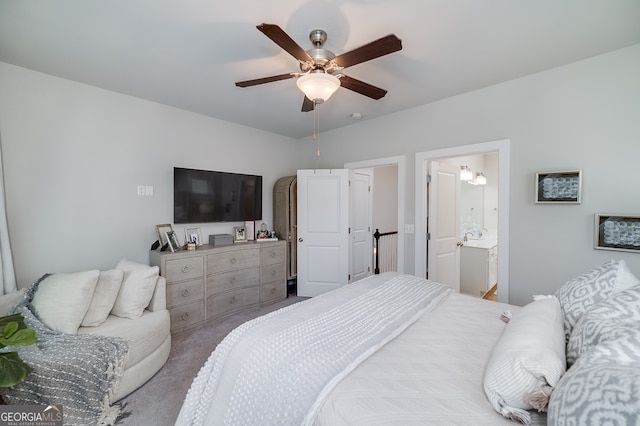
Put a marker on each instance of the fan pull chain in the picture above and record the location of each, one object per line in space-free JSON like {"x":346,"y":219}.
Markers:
{"x":316,"y":126}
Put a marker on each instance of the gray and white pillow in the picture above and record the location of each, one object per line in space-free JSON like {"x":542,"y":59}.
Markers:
{"x":578,"y":294}
{"x":603,"y":386}
{"x":604,"y":321}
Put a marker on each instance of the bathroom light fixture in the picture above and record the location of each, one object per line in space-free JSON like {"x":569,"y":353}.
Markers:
{"x":480,"y":179}
{"x":465,"y":173}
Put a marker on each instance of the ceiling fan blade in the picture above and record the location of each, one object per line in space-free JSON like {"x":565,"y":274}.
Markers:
{"x":375,"y":49}
{"x":264,"y":80}
{"x":282,"y":39}
{"x":307,"y":105}
{"x":361,"y":87}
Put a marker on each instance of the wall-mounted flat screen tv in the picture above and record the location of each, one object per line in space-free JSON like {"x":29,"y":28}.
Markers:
{"x":203,"y":196}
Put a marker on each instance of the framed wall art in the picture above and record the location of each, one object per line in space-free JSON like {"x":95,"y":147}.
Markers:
{"x":617,"y":232}
{"x":559,"y":187}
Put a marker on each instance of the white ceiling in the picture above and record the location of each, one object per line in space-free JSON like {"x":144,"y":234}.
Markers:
{"x":189,"y":53}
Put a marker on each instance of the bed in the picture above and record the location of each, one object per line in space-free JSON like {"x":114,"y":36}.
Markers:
{"x":394,"y":349}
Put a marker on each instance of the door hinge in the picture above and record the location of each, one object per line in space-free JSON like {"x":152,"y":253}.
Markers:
{"x":428,"y":178}
{"x":349,"y":277}
{"x":428,"y":236}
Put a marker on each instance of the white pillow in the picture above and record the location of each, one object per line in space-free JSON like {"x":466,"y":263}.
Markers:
{"x":136,"y":290}
{"x":528,"y":358}
{"x":62,"y":300}
{"x":104,"y":297}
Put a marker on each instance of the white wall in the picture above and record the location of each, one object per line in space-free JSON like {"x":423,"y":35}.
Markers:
{"x":580,"y":116}
{"x":75,"y":154}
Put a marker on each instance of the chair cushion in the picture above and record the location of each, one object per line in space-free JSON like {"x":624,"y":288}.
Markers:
{"x":145,"y":333}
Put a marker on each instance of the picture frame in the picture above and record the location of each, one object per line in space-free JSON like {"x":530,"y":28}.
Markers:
{"x":250,"y":227}
{"x":564,"y":187}
{"x":617,"y":232}
{"x":162,"y":230}
{"x":193,"y":235}
{"x":172,"y":239}
{"x":239,"y":234}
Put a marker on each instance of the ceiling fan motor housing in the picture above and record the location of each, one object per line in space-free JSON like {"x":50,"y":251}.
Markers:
{"x":321,"y":57}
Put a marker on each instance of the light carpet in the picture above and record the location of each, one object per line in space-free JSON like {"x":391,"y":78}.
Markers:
{"x":158,"y":401}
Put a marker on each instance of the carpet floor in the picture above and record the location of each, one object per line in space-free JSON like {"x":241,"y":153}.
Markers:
{"x":158,"y":401}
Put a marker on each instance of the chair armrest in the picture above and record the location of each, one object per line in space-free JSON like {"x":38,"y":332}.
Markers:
{"x":159,"y":299}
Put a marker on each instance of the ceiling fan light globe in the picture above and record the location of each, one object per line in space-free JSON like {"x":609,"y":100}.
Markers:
{"x":318,"y":87}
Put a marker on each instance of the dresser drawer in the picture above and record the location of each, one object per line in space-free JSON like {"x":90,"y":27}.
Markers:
{"x":272,"y":254}
{"x":230,"y":280}
{"x":186,"y":268}
{"x":225,"y":303}
{"x":186,"y":315}
{"x":233,"y":259}
{"x":273,"y":292}
{"x":271,"y":273}
{"x":185,"y":292}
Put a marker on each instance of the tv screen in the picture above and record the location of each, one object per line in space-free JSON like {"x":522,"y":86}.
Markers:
{"x":201,"y":196}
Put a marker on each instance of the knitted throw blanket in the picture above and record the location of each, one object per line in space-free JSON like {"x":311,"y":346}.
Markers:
{"x":77,"y":371}
{"x":278,"y":368}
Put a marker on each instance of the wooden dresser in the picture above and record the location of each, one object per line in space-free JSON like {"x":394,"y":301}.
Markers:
{"x":214,"y":282}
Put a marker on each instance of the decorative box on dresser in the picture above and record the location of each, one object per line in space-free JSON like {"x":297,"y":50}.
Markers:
{"x":214,"y":282}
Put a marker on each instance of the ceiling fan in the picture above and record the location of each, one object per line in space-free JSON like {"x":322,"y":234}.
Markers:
{"x":321,"y":70}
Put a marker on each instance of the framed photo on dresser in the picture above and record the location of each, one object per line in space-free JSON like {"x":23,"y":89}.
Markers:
{"x":162,"y":230}
{"x":172,"y":239}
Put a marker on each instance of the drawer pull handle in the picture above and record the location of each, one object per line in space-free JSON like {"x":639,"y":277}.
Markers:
{"x":273,"y":254}
{"x":185,"y":292}
{"x":232,"y":300}
{"x":185,"y":316}
{"x":232,"y":280}
{"x":185,"y":269}
{"x":233,"y":261}
{"x":273,"y":272}
{"x":273,"y":290}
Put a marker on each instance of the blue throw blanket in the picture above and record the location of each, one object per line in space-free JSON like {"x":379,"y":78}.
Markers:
{"x":76,"y":371}
{"x":277,"y":369}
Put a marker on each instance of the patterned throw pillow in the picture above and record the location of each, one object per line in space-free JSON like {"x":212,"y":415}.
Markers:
{"x":578,"y":294}
{"x":603,"y":386}
{"x":604,"y":321}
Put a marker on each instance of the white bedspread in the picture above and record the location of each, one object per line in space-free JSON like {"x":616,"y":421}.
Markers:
{"x":277,"y":369}
{"x":431,"y":374}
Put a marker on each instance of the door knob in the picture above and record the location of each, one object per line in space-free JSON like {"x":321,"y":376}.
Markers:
{"x":300,"y":240}
{"x":460,"y":244}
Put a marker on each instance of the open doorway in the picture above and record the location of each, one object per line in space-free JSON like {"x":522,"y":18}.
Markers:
{"x":398,"y":165}
{"x":501,"y":148}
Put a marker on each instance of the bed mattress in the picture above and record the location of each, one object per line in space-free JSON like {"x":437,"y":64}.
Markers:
{"x":430,"y":374}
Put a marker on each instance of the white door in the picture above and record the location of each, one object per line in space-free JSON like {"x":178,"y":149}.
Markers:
{"x":444,"y":224}
{"x":360,"y":204}
{"x":323,"y":231}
